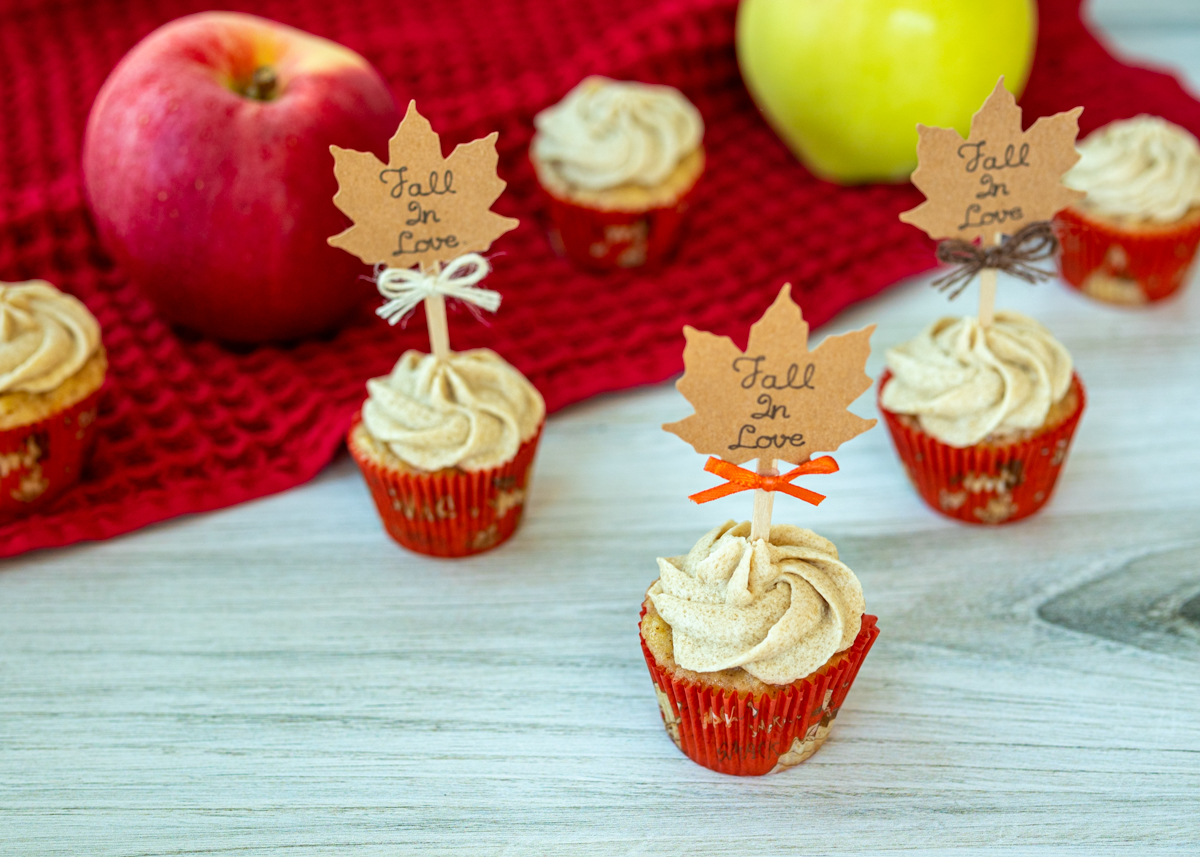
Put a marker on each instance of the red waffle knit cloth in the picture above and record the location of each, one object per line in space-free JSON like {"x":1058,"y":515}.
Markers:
{"x":189,"y":426}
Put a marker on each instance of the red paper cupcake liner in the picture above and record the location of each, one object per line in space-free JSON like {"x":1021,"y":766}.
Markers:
{"x":985,"y":483}
{"x":451,"y":513}
{"x":607,"y":240}
{"x":41,"y":460}
{"x":1119,"y":266}
{"x":738,"y":734}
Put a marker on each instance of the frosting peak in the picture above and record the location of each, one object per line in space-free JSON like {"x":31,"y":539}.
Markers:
{"x":473,"y":410}
{"x":965,"y":382}
{"x":46,"y":336}
{"x":1143,"y":168}
{"x":777,"y":610}
{"x":608,"y":133}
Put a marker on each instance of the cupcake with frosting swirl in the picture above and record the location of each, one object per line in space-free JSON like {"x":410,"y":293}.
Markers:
{"x":752,"y":646}
{"x":52,"y":369}
{"x":982,"y":417}
{"x":447,"y":447}
{"x":1133,"y":238}
{"x":618,"y":161}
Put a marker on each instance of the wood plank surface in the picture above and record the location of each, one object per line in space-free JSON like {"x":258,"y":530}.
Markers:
{"x":280,"y":678}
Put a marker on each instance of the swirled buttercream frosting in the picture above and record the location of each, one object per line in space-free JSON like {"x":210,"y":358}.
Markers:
{"x":778,"y":610}
{"x":472,"y":411}
{"x":608,"y":133}
{"x":965,"y":382}
{"x":46,"y":336}
{"x":1143,"y":168}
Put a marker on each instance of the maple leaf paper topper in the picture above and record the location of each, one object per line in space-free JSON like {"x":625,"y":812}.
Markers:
{"x":776,"y":400}
{"x":997,"y":180}
{"x":419,"y":208}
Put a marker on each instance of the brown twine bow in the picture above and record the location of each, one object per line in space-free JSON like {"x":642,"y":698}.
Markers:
{"x":1015,"y":256}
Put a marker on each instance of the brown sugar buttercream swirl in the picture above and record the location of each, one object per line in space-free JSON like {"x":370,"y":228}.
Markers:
{"x":472,"y":410}
{"x":46,"y":336}
{"x":607,"y":133}
{"x":964,"y":382}
{"x":779,"y":610}
{"x":1145,"y":169}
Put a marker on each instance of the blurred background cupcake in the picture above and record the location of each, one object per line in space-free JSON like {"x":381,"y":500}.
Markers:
{"x":982,"y":417}
{"x":752,"y":647}
{"x":1133,"y":238}
{"x":52,"y":368}
{"x":618,"y":161}
{"x":447,"y":448}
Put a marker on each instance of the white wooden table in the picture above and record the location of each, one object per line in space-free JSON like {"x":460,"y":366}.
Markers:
{"x":280,"y":678}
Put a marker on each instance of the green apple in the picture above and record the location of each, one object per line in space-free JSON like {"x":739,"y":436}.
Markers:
{"x":845,"y":82}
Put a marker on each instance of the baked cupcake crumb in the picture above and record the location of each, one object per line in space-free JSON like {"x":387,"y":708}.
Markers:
{"x":364,"y":445}
{"x":657,"y":634}
{"x":20,"y":408}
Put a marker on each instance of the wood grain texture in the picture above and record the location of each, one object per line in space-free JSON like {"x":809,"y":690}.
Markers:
{"x":280,"y":678}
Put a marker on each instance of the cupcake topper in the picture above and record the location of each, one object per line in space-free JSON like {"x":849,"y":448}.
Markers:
{"x":999,"y":181}
{"x":774,"y":401}
{"x":420,"y":209}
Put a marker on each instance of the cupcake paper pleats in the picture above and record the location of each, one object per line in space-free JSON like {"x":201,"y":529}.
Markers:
{"x":748,"y":736}
{"x":609,"y":240}
{"x":40,"y":460}
{"x":1125,"y":266}
{"x":450,"y":513}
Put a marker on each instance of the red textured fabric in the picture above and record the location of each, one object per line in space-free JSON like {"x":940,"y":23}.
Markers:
{"x":188,"y":426}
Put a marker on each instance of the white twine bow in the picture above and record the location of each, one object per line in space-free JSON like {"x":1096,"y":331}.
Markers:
{"x":405,"y":288}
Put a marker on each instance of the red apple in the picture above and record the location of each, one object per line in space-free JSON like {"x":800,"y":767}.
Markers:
{"x":207,"y":166}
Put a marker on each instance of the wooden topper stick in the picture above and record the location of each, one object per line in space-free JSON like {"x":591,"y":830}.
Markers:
{"x":987,"y":293}
{"x":435,"y":317}
{"x":764,"y":501}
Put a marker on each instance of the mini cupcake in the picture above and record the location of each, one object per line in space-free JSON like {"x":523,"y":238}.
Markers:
{"x":1133,"y":238}
{"x":52,"y":367}
{"x":618,"y":161}
{"x":982,"y":417}
{"x":447,"y":447}
{"x":753,"y":647}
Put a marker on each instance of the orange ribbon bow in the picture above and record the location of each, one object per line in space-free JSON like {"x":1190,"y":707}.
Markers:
{"x":741,"y":479}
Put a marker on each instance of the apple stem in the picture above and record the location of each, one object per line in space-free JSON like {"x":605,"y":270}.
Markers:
{"x":760,"y":523}
{"x":262,"y":84}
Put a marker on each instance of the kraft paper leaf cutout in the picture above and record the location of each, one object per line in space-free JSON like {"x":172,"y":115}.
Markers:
{"x":777,"y":399}
{"x":419,"y":208}
{"x":997,"y":180}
